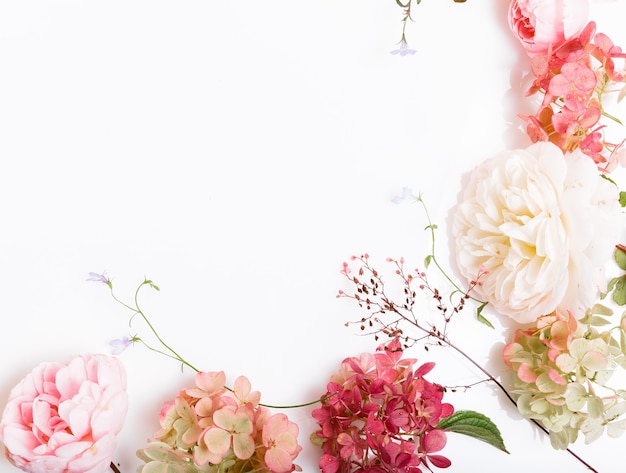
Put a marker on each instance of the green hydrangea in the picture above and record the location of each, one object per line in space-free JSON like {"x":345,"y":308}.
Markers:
{"x":561,"y":369}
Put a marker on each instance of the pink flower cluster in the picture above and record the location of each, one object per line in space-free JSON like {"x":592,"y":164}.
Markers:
{"x":573,"y":78}
{"x":211,"y":425}
{"x":379,"y":415}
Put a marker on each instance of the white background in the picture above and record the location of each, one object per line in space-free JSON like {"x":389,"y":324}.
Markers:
{"x":237,"y":153}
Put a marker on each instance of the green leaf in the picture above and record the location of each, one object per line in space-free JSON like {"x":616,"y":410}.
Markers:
{"x":609,"y":287}
{"x":317,"y":440}
{"x":599,"y":309}
{"x":151,"y":284}
{"x":598,"y":321}
{"x":620,"y":258}
{"x":427,"y":261}
{"x":481,"y":318}
{"x":619,"y":293}
{"x":622,"y":198}
{"x":474,"y":424}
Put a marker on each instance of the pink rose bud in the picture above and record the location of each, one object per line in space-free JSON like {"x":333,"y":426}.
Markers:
{"x":63,"y":418}
{"x":541,"y":25}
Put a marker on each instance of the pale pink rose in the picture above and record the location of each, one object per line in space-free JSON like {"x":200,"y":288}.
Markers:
{"x":543,"y":224}
{"x":544,"y":24}
{"x":63,"y":418}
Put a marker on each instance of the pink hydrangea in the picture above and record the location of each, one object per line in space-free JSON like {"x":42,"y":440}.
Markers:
{"x":208,"y":425}
{"x":573,"y":79}
{"x":379,"y":414}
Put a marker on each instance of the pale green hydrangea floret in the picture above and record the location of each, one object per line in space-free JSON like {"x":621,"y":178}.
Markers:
{"x":562,"y":367}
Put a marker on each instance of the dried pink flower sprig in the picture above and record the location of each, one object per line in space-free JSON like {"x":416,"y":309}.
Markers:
{"x":381,"y":415}
{"x":209,"y":428}
{"x":573,"y":78}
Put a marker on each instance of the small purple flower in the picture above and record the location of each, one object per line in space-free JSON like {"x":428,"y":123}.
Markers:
{"x":404,"y":49}
{"x":99,"y":277}
{"x":407,"y":196}
{"x":120,"y":344}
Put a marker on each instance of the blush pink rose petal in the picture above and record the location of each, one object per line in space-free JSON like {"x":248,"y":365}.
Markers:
{"x":541,"y":25}
{"x":64,"y":418}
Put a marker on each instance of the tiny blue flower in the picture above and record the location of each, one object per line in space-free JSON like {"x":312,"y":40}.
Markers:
{"x":404,"y":49}
{"x":407,"y":196}
{"x":99,"y":277}
{"x":120,"y":344}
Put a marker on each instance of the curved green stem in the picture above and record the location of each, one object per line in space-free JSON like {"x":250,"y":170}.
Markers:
{"x":169,"y":352}
{"x":432,"y":256}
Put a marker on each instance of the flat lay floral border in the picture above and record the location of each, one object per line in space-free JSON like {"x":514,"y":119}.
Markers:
{"x":535,"y":229}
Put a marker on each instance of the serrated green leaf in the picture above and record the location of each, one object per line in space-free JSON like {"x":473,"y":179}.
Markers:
{"x":474,"y":424}
{"x":481,"y":318}
{"x":427,"y":261}
{"x":619,"y":292}
{"x":620,"y":258}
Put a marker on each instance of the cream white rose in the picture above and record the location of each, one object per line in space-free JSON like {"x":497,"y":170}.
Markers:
{"x":543,"y":225}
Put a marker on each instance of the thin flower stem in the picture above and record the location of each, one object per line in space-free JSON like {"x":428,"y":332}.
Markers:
{"x":156,"y":334}
{"x":447,"y":342}
{"x":173,"y":354}
{"x":137,"y":311}
{"x":432,"y":256}
{"x":114,"y":468}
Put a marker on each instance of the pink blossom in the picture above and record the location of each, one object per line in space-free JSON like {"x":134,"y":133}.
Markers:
{"x":605,"y":51}
{"x":233,"y":429}
{"x":64,"y":417}
{"x":575,"y":84}
{"x":213,"y":426}
{"x":280,"y":437}
{"x":541,"y":26}
{"x":379,"y":414}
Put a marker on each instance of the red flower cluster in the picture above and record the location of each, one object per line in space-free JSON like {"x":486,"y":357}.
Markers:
{"x":380,"y":416}
{"x":573,"y":78}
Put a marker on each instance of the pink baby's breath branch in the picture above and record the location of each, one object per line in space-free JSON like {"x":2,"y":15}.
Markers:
{"x":370,"y":295}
